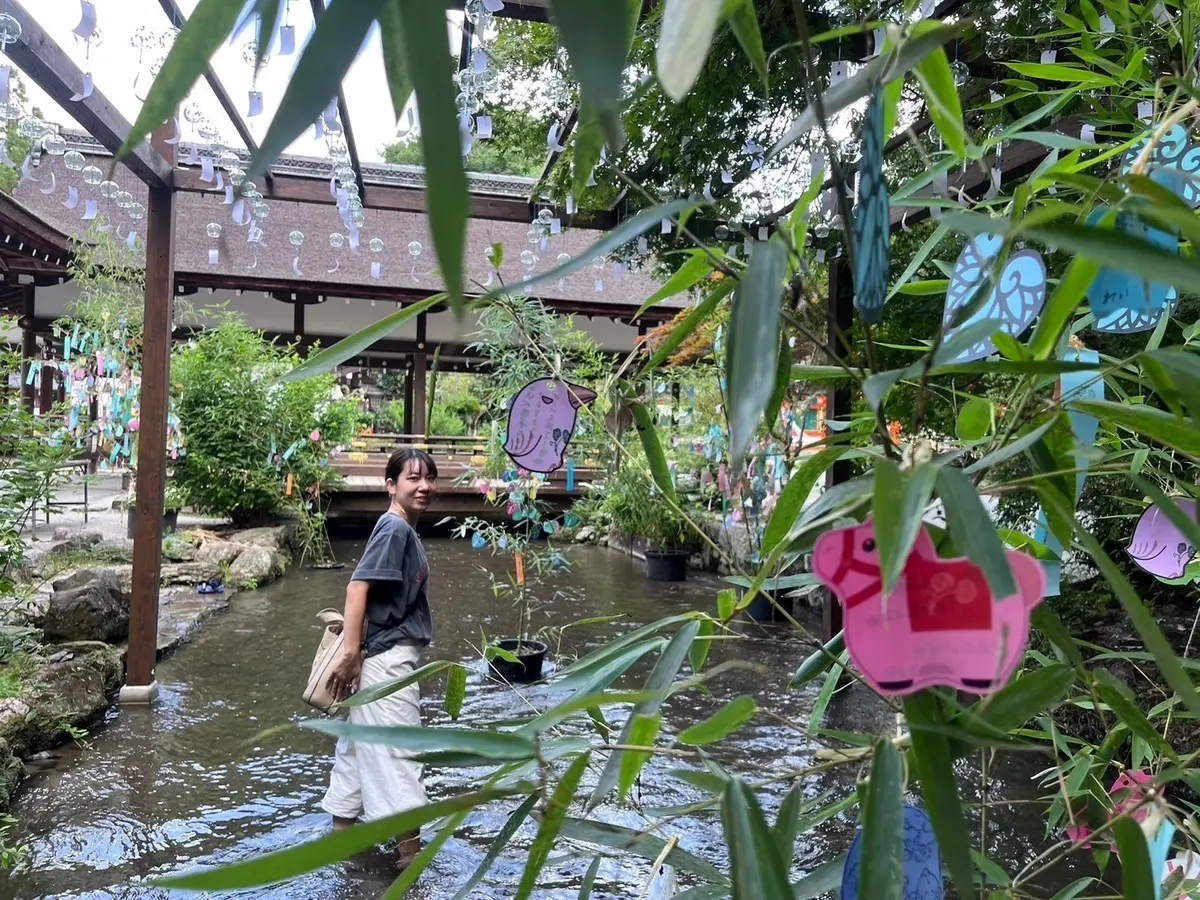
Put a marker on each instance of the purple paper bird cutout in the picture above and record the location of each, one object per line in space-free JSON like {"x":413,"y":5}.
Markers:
{"x":1158,"y":546}
{"x":541,"y":422}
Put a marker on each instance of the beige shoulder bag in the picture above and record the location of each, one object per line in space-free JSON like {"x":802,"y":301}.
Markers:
{"x":316,"y":693}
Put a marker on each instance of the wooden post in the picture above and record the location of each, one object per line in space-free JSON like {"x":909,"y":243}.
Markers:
{"x":408,"y":397}
{"x":46,"y":392}
{"x":28,"y":345}
{"x":140,"y":686}
{"x":419,"y":382}
{"x":840,"y":321}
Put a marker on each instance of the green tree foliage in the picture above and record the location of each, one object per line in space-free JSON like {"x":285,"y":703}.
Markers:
{"x":246,"y":433}
{"x":17,"y":145}
{"x":518,"y":146}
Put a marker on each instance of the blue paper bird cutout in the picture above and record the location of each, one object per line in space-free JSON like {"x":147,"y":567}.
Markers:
{"x":1072,"y":386}
{"x":1017,"y":294}
{"x":872,"y":221}
{"x":1160,"y":846}
{"x":1124,"y":303}
{"x":922,"y":861}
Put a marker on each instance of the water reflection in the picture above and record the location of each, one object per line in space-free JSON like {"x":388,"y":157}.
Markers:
{"x":190,"y":783}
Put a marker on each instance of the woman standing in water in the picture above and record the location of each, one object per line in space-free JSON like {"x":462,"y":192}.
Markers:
{"x":387,"y":624}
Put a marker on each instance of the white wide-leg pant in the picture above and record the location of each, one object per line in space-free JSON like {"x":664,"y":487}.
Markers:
{"x":373,"y":781}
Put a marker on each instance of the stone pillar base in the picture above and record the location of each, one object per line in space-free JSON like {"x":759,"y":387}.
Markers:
{"x":138,"y":694}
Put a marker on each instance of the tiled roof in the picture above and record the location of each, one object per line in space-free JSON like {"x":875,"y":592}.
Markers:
{"x":275,"y":258}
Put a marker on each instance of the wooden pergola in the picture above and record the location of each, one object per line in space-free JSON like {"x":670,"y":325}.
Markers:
{"x":154,"y":164}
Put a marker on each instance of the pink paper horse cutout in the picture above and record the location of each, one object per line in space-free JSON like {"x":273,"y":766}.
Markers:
{"x":1126,"y":793}
{"x":541,"y":422}
{"x":940,"y":626}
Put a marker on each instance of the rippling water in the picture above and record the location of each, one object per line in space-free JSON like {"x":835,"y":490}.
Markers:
{"x":190,"y":784}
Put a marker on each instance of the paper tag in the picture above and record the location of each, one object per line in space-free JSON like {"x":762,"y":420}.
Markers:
{"x":599,"y":287}
{"x":838,"y":71}
{"x":1107,"y":26}
{"x":287,"y":40}
{"x":1087,"y":133}
{"x":667,"y":226}
{"x":821,"y":254}
{"x":726,"y":176}
{"x":880,"y":38}
{"x":87,"y":88}
{"x":1049,"y":56}
{"x":220,"y":185}
{"x":1161,"y":14}
{"x":229,"y":195}
{"x":494,"y":6}
{"x":480,"y":60}
{"x":214,"y":257}
{"x":330,"y":116}
{"x":319,"y":129}
{"x":207,"y":172}
{"x":130,"y":242}
{"x":1145,"y":110}
{"x":707,"y":192}
{"x":817,"y":164}
{"x":90,"y":210}
{"x":483,"y":127}
{"x":764,"y":233}
{"x":50,"y":188}
{"x":255,"y":107}
{"x":544,"y":245}
{"x":556,"y":226}
{"x":732,"y":252}
{"x":239,"y":211}
{"x":5,"y":75}
{"x":927,"y":8}
{"x":941,"y":184}
{"x":72,"y":200}
{"x":643,"y":245}
{"x":376,"y":270}
{"x":193,"y":157}
{"x":997,"y":97}
{"x":570,"y":204}
{"x":87,"y":20}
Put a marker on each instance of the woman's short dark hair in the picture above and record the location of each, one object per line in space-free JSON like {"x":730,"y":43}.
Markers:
{"x":406,"y":456}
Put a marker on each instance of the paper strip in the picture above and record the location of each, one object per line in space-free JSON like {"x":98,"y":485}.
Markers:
{"x":193,"y":157}
{"x":239,"y":210}
{"x":256,"y":104}
{"x":708,"y":194}
{"x":556,"y":226}
{"x":1049,"y":56}
{"x":480,"y":60}
{"x":1087,"y":133}
{"x":220,"y":181}
{"x":764,"y":233}
{"x":229,"y":195}
{"x":72,"y":200}
{"x":287,"y":40}
{"x":376,"y":270}
{"x":90,"y":210}
{"x":214,"y":257}
{"x":296,"y":266}
{"x":5,"y":75}
{"x":131,"y":242}
{"x":643,"y":245}
{"x":49,"y":190}
{"x":667,"y":226}
{"x":599,"y":286}
{"x":483,"y":127}
{"x":87,"y":20}
{"x":1145,"y":110}
{"x":570,"y":204}
{"x":207,"y":172}
{"x":87,"y":88}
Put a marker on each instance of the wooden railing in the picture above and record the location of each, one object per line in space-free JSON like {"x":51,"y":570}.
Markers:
{"x":592,"y":453}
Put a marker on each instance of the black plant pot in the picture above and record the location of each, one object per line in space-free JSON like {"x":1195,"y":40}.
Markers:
{"x":666,"y":565}
{"x":528,"y":667}
{"x":761,"y":609}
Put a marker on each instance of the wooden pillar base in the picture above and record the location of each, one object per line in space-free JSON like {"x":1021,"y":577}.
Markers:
{"x":138,"y":694}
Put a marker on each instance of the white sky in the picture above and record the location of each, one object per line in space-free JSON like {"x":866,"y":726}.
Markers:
{"x":115,"y":67}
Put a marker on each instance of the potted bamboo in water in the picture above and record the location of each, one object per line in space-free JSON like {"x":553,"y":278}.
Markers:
{"x":637,"y":510}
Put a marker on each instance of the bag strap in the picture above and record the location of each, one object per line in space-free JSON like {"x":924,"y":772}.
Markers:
{"x":331,"y":617}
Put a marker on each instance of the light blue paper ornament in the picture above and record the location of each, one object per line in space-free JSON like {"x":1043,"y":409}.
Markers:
{"x":922,"y":861}
{"x":1072,"y":386}
{"x":570,"y":475}
{"x":1016,"y":296}
{"x":872,"y":219}
{"x":1160,"y":846}
{"x":478,"y":541}
{"x":1123,"y":302}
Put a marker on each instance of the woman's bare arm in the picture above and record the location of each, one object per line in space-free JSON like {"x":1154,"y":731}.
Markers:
{"x":356,"y":615}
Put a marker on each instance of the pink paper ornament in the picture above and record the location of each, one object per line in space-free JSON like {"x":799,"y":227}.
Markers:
{"x":941,"y":626}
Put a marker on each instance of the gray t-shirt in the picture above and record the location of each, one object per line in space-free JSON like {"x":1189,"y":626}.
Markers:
{"x":396,"y":570}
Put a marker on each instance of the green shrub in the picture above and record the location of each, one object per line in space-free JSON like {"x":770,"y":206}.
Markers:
{"x":245,"y":431}
{"x":389,"y":418}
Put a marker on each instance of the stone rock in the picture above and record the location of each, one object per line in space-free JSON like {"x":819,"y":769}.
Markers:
{"x":255,"y":567}
{"x":95,"y":611}
{"x":585,"y":535}
{"x":77,"y":578}
{"x":271,"y":537}
{"x":79,"y":542}
{"x":75,"y":690}
{"x":14,"y":718}
{"x":190,"y":573}
{"x":11,"y":773}
{"x":61,"y":533}
{"x":116,"y":550}
{"x":218,"y":552}
{"x":178,"y":550}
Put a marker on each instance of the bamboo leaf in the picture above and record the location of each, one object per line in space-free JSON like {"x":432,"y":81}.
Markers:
{"x":1060,"y":72}
{"x":597,"y":37}
{"x":1011,"y":449}
{"x":743,"y":21}
{"x":387,"y":688}
{"x":414,"y":869}
{"x":491,"y":744}
{"x":975,"y":419}
{"x":883,"y":68}
{"x":333,"y":848}
{"x":783,"y":378}
{"x":882,"y":872}
{"x":551,"y":823}
{"x":900,"y":501}
{"x":202,"y":35}
{"x":817,"y":715}
{"x":726,"y":604}
{"x":589,"y":879}
{"x":456,"y":691}
{"x":786,"y":822}
{"x":819,"y":660}
{"x":1136,"y":869}
{"x":395,"y":63}
{"x":974,"y":531}
{"x":941,"y":98}
{"x":724,"y":722}
{"x":1120,"y":700}
{"x":821,"y":880}
{"x":753,"y":344}
{"x":423,"y":30}
{"x":1045,"y":620}
{"x":933,"y":764}
{"x":1146,"y":421}
{"x":643,"y":732}
{"x":655,"y":456}
{"x":700,"y":647}
{"x":349,"y":347}
{"x":587,"y":147}
{"x":688,"y":27}
{"x":795,"y":494}
{"x":641,"y":844}
{"x":687,"y":276}
{"x":756,"y":868}
{"x":1019,"y":701}
{"x":498,"y":845}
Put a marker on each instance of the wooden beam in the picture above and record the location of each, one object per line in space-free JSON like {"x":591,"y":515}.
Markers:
{"x":140,"y":686}
{"x":318,"y":10}
{"x":28,"y":345}
{"x":47,"y":66}
{"x":175,"y":14}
